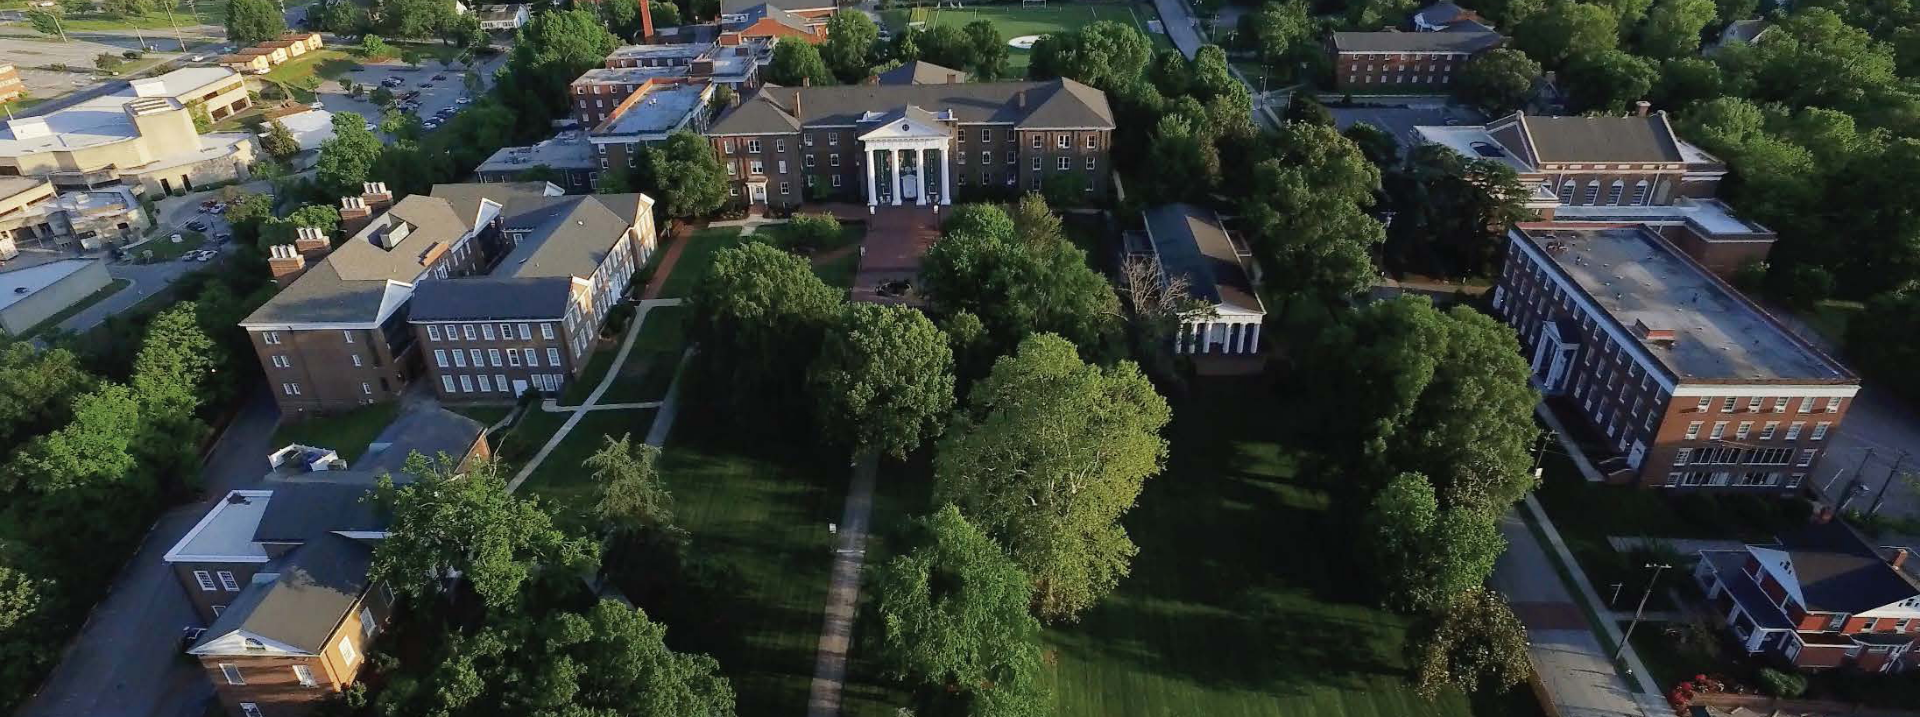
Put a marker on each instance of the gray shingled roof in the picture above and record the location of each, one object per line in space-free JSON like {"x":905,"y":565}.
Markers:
{"x":482,"y":298}
{"x":465,"y":199}
{"x":1054,"y":104}
{"x":1840,"y":572}
{"x":1466,"y":42}
{"x":922,"y":73}
{"x":301,"y":511}
{"x":1603,"y":139}
{"x":566,"y":238}
{"x":754,"y":12}
{"x":1190,"y":241}
{"x":318,"y":585}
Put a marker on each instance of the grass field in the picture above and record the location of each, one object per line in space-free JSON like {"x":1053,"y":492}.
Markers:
{"x":1014,"y":21}
{"x":562,"y":482}
{"x":694,"y":259}
{"x":346,"y":433}
{"x":654,"y":360}
{"x":164,"y":248}
{"x":301,"y":76}
{"x":1235,"y":605}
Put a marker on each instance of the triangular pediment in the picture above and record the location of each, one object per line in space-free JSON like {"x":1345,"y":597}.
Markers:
{"x":908,"y":123}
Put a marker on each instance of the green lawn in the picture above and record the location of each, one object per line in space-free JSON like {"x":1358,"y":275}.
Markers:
{"x":199,"y":12}
{"x":598,"y":362}
{"x":695,"y":258}
{"x":1830,"y":317}
{"x":1236,"y":605}
{"x":561,"y":481}
{"x":837,"y":263}
{"x":1014,"y":21}
{"x":346,"y":433}
{"x":302,"y":75}
{"x":519,"y":442}
{"x":654,"y":360}
{"x":486,"y":415}
{"x":163,"y":248}
{"x":62,"y":315}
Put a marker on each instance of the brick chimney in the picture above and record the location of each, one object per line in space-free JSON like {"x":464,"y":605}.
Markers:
{"x":1642,"y":107}
{"x":646,"y":22}
{"x":376,"y":196}
{"x":354,"y":214}
{"x":311,"y":242}
{"x":1020,"y":99}
{"x":797,"y":114}
{"x":285,"y":264}
{"x":1899,"y":558}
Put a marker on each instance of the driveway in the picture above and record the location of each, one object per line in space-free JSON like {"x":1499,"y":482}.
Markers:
{"x":435,"y":95}
{"x":1880,"y":436}
{"x":126,"y":661}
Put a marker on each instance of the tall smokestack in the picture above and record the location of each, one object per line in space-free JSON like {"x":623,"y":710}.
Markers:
{"x":646,"y":22}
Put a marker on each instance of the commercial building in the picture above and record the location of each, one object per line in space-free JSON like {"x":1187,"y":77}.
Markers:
{"x":599,"y":92}
{"x":33,"y":294}
{"x":32,"y":212}
{"x":1822,"y":597}
{"x":1413,"y":62}
{"x":279,"y":573}
{"x":648,"y":116}
{"x":1605,"y":171}
{"x":11,"y":88}
{"x":338,"y":335}
{"x":141,"y":135}
{"x":894,"y":144}
{"x":1686,"y":383}
{"x":1190,"y":244}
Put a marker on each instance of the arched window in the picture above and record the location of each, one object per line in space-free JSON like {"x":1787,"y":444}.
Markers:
{"x":1640,"y":193}
{"x":1566,"y":192}
{"x":1593,"y":191}
{"x":253,"y":644}
{"x":1613,"y":195}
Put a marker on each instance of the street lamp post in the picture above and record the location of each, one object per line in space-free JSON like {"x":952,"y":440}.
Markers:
{"x":1628,"y":638}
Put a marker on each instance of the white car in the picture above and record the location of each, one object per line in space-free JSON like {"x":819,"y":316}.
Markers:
{"x":318,"y":105}
{"x":197,"y":58}
{"x":372,"y":127}
{"x":463,"y":100}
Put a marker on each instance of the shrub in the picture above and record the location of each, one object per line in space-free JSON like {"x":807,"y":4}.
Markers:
{"x":1782,"y":684}
{"x":813,"y":231}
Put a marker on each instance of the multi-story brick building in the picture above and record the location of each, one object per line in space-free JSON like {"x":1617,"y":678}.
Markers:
{"x":1687,"y":383}
{"x":338,"y":334}
{"x":1413,"y":62}
{"x":1604,"y":171}
{"x":1820,"y":598}
{"x":766,"y":23}
{"x":597,"y":94}
{"x":279,"y":573}
{"x":531,"y":321}
{"x":910,"y":142}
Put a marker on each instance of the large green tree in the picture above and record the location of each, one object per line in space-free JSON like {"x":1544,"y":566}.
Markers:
{"x":1498,"y":81}
{"x":756,"y":309}
{"x":1280,"y":30}
{"x":169,"y":378}
{"x":848,"y":50}
{"x":883,"y":381}
{"x":415,"y":19}
{"x":1472,"y":644}
{"x":1424,"y":556}
{"x":1048,"y":455}
{"x":462,"y":519}
{"x":1016,"y":283}
{"x":347,"y":159}
{"x":1608,"y":81}
{"x":1186,"y":164}
{"x":1673,"y":28}
{"x":954,"y":623}
{"x":1105,"y":54}
{"x":686,"y":174}
{"x":37,"y":389}
{"x":93,"y":452}
{"x":797,"y":63}
{"x":548,"y":53}
{"x":1451,"y":212}
{"x":254,"y":21}
{"x":1306,"y":213}
{"x":633,"y":498}
{"x":1565,"y":30}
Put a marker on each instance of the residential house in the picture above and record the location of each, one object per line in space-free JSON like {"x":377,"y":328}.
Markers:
{"x":279,"y":573}
{"x":1822,"y":597}
{"x":502,"y":18}
{"x":914,"y":143}
{"x":1447,"y":16}
{"x":766,"y":23}
{"x":919,"y":72}
{"x":11,"y":88}
{"x":1739,"y":32}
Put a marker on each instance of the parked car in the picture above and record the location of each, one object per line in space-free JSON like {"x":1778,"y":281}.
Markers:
{"x":197,"y":225}
{"x":437,"y":78}
{"x":463,"y":100}
{"x":317,"y":104}
{"x":222,"y":238}
{"x":207,"y":206}
{"x":219,"y":208}
{"x":371,"y":127}
{"x":207,"y":255}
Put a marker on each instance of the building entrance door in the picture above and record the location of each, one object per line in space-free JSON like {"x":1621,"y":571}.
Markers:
{"x":759,"y":192}
{"x":910,"y":187}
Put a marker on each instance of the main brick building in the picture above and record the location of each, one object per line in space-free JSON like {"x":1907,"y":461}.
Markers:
{"x":914,"y":143}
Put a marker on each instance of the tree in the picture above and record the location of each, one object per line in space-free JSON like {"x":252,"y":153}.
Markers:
{"x":453,"y":520}
{"x":1475,"y":643}
{"x":1186,"y":164}
{"x":666,"y":14}
{"x":1280,"y":29}
{"x":1377,"y":145}
{"x":109,"y":61}
{"x":1498,"y":81}
{"x":415,"y":19}
{"x":1686,"y":82}
{"x":246,"y":214}
{"x":723,"y":97}
{"x":813,"y":231}
{"x":1424,"y":556}
{"x":1451,"y":211}
{"x":1304,"y":108}
{"x":37,"y":389}
{"x":344,"y":17}
{"x":1566,"y":30}
{"x":686,"y":173}
{"x":954,"y":621}
{"x":623,"y":17}
{"x":1104,"y":54}
{"x":279,"y":141}
{"x":1015,"y":283}
{"x":796,"y":63}
{"x":1064,"y":189}
{"x":91,"y":453}
{"x":125,"y":8}
{"x":756,"y":308}
{"x":346,"y":159}
{"x":1305,"y":213}
{"x":46,"y":22}
{"x":372,"y":48}
{"x":548,"y":53}
{"x":883,"y":381}
{"x":1374,"y":14}
{"x":989,"y":50}
{"x":169,"y":379}
{"x":1606,"y":81}
{"x":202,"y":122}
{"x":633,"y":498}
{"x":1673,"y":28}
{"x":850,"y":40}
{"x":1048,"y":455}
{"x":1627,"y":14}
{"x":1854,"y":69}
{"x":254,"y":21}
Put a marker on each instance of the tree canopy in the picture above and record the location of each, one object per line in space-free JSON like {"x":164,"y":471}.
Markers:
{"x":796,"y":64}
{"x":1498,"y":81}
{"x":685,"y":174}
{"x":1474,"y":643}
{"x":347,"y":159}
{"x":756,"y":309}
{"x":848,"y":50}
{"x":1016,"y":283}
{"x":254,"y":21}
{"x":883,"y":380}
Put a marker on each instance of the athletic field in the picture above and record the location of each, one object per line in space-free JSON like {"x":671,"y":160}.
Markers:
{"x":1015,"y":20}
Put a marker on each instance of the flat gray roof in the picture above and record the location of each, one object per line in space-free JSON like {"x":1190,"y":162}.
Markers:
{"x":659,"y":111}
{"x":568,"y":150}
{"x":1719,"y":335}
{"x":35,"y":278}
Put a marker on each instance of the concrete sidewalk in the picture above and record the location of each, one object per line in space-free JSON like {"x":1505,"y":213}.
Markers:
{"x":843,"y":595}
{"x":1572,"y":663}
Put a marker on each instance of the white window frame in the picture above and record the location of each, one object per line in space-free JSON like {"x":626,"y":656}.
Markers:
{"x":493,"y":357}
{"x":205,"y":579}
{"x":553,"y":356}
{"x":466,"y":383}
{"x":546,"y":330}
{"x":446,"y":381}
{"x":467,"y":331}
{"x":227,"y":581}
{"x":1820,"y":431}
{"x":304,"y":674}
{"x":347,"y":651}
{"x":433,"y":332}
{"x":232,"y":673}
{"x":367,"y":623}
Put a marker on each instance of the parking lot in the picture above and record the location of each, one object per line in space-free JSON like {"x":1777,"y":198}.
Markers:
{"x":435,"y":95}
{"x":1400,"y":121}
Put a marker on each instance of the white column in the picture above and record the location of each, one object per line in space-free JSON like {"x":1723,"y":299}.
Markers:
{"x":1180,"y":338}
{"x":893,"y":165}
{"x":873,"y":165}
{"x":946,"y":174}
{"x":1253,"y":341}
{"x":920,"y":175}
{"x":1235,"y":337}
{"x":1206,"y":337}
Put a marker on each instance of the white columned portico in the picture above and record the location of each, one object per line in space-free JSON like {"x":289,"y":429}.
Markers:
{"x":910,"y":133}
{"x":946,"y":174}
{"x":873,"y":166}
{"x":920,"y":175}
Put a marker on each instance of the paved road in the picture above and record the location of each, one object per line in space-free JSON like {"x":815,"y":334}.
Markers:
{"x":1571,"y":662}
{"x":127,"y":662}
{"x":1177,"y":17}
{"x":150,"y":279}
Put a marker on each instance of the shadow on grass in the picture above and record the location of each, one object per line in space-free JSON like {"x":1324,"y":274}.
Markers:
{"x":335,"y":68}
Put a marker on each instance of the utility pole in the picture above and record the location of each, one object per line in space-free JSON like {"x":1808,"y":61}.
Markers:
{"x":1891,"y":472}
{"x":176,"y":27}
{"x":1628,"y":638}
{"x":1539,"y":444}
{"x":1615,"y":600}
{"x":1857,"y":470}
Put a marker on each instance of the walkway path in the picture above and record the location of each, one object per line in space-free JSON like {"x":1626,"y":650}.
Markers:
{"x":1177,"y":17}
{"x":843,"y":596}
{"x":593,"y":399}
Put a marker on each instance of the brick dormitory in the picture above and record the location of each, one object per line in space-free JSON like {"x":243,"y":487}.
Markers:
{"x":483,"y":290}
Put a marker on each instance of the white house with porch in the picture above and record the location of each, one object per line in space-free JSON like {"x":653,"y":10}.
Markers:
{"x":1190,"y":241}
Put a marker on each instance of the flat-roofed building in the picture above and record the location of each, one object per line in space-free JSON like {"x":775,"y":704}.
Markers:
{"x":596,"y":93}
{"x":1686,"y":383}
{"x":646,"y":117}
{"x":567,"y":159}
{"x":33,"y":294}
{"x":141,"y":135}
{"x":32,"y":212}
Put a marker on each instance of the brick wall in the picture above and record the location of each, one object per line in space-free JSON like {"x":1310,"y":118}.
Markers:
{"x":437,"y":349}
{"x":834,"y":152}
{"x":1423,"y":73}
{"x":315,"y":370}
{"x":205,"y":601}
